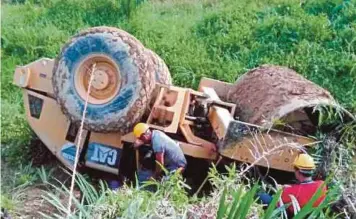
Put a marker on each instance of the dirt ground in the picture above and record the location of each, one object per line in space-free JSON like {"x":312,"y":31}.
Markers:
{"x":28,"y":201}
{"x":34,"y":204}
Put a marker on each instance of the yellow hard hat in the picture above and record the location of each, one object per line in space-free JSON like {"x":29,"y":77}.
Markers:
{"x":139,"y":129}
{"x":304,"y":162}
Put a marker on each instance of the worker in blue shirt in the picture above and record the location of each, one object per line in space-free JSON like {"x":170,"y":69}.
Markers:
{"x":167,"y":151}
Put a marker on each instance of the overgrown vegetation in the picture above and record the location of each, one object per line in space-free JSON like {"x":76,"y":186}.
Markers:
{"x":16,"y":184}
{"x":231,"y":198}
{"x":217,"y":39}
{"x":336,"y":154}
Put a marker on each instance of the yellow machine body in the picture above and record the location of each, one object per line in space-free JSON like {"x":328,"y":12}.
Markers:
{"x":170,"y":113}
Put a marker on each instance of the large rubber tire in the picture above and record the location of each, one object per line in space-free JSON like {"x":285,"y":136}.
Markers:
{"x":162,"y":74}
{"x":134,"y":69}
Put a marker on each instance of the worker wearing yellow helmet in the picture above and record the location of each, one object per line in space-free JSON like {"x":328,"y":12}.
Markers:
{"x":167,"y":152}
{"x":304,"y":189}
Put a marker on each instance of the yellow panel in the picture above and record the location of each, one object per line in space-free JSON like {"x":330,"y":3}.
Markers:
{"x":220,"y":119}
{"x":176,"y":109}
{"x":251,"y":147}
{"x":197,"y":151}
{"x":37,"y":75}
{"x":52,"y":125}
{"x":220,"y":87}
{"x":129,"y":137}
{"x":111,"y":139}
{"x":102,"y":167}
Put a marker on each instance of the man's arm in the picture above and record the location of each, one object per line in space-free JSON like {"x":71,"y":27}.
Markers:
{"x":160,"y":160}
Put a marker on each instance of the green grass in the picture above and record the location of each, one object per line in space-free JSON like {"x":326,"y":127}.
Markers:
{"x":224,"y":39}
{"x":13,"y":181}
{"x":232,"y":199}
{"x":208,"y":38}
{"x":218,"y":39}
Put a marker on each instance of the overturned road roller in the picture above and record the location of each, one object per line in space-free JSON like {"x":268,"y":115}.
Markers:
{"x":132,"y":84}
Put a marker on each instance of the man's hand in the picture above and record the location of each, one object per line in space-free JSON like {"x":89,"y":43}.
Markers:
{"x":160,"y":160}
{"x":211,"y":147}
{"x":138,"y":143}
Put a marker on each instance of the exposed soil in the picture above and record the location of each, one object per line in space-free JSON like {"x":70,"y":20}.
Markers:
{"x":29,"y":202}
{"x":33,"y":204}
{"x":40,"y":154}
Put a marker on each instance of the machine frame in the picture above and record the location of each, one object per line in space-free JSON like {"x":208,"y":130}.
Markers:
{"x":169,"y":112}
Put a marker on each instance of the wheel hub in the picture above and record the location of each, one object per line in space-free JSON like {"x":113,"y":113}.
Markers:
{"x":101,"y":80}
{"x":106,"y":79}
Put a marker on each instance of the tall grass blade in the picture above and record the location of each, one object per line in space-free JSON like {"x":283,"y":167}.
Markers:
{"x":279,"y":212}
{"x":247,"y":202}
{"x":272,"y":205}
{"x":237,"y":197}
{"x":222,"y":206}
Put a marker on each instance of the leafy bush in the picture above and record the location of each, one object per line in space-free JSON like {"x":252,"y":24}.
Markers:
{"x":233,"y":199}
{"x":169,"y":199}
{"x":335,"y":155}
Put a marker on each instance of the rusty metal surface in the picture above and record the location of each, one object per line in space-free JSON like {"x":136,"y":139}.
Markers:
{"x":249,"y":143}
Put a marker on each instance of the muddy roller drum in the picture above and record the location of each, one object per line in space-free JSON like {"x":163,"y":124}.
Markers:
{"x":122,"y":85}
{"x":273,"y":93}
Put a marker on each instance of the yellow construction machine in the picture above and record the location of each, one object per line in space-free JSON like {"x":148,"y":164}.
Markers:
{"x":131,"y":84}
